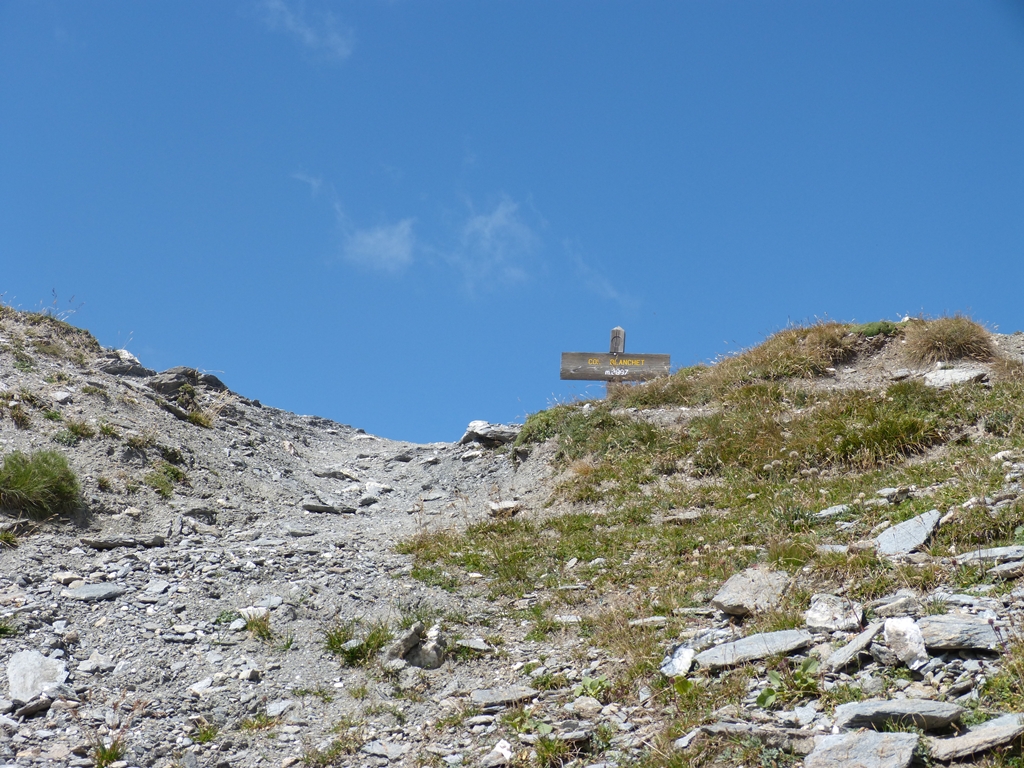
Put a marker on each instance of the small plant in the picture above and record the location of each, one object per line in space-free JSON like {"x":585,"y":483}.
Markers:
{"x":786,"y":685}
{"x":595,"y":687}
{"x":205,"y":731}
{"x":348,"y":742}
{"x":109,"y":430}
{"x":259,"y":627}
{"x":320,"y":692}
{"x":40,"y":485}
{"x":201,"y":418}
{"x":106,"y":753}
{"x":341,"y":641}
{"x":552,"y":751}
{"x":140,"y":442}
{"x":104,"y":483}
{"x":81,"y":429}
{"x":53,"y":416}
{"x":260,"y":722}
{"x":8,"y":539}
{"x":226,"y":617}
{"x":7,"y":628}
{"x":89,"y":389}
{"x":360,"y":691}
{"x":20,"y":417}
{"x":158,"y":482}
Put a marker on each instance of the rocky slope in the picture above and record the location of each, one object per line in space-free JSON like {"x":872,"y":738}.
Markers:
{"x":231,"y":593}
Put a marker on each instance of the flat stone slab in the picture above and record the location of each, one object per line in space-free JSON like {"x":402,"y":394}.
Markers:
{"x":94,"y":593}
{"x":948,"y":377}
{"x":754,"y":647}
{"x":116,"y":542}
{"x":980,"y":738}
{"x":953,"y":631}
{"x":30,"y":673}
{"x":867,"y":749}
{"x":904,"y":538}
{"x":849,"y":652}
{"x":992,"y":554}
{"x":502,"y":697}
{"x":877,"y":712}
{"x":752,"y":591}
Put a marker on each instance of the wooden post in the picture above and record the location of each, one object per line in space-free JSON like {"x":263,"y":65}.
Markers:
{"x":618,"y":344}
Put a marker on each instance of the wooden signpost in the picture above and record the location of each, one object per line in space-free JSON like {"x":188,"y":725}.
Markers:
{"x":614,"y":365}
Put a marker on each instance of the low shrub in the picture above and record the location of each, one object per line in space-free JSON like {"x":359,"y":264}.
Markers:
{"x":40,"y":485}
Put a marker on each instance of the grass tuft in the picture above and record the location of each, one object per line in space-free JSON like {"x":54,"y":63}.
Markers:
{"x":947,"y":338}
{"x":341,"y":640}
{"x":40,"y":485}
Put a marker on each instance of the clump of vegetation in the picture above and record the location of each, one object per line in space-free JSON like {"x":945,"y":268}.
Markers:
{"x":8,"y":628}
{"x":259,"y":627}
{"x":8,"y":539}
{"x":947,"y":338}
{"x":74,"y":432}
{"x":40,"y":485}
{"x":878,"y":328}
{"x":349,"y":740}
{"x":260,"y":722}
{"x":201,"y":418}
{"x":163,"y":477}
{"x":20,"y":416}
{"x":342,"y":640}
{"x":107,"y":752}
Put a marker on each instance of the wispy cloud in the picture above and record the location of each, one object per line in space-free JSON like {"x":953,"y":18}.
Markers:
{"x":495,"y":247}
{"x":313,"y":182}
{"x":323,"y":35}
{"x":597,"y":283}
{"x":388,"y":248}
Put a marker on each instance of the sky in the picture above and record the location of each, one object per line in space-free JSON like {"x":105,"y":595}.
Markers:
{"x":398,"y":214}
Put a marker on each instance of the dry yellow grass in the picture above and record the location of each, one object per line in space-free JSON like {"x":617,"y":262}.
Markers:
{"x":947,"y":338}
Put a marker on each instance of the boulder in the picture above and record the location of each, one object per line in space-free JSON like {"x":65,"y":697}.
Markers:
{"x":751,"y":591}
{"x":904,"y":639}
{"x":490,"y":435}
{"x":29,"y":674}
{"x":980,"y":738}
{"x":957,"y":631}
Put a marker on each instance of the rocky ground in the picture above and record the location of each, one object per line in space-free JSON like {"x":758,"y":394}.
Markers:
{"x":232,"y":594}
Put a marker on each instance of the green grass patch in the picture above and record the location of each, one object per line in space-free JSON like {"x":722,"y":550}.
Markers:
{"x":39,"y":485}
{"x":353,"y":646}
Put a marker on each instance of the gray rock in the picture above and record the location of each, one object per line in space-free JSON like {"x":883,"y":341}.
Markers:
{"x":490,"y":435}
{"x":1007,"y":571}
{"x":992,"y":554}
{"x":157,"y":587}
{"x":408,"y":640}
{"x":125,"y":541}
{"x":754,"y":647}
{"x":922,"y":713}
{"x":831,"y":613}
{"x":94,"y":593}
{"x":29,"y":674}
{"x":679,"y":663}
{"x":385,"y":749}
{"x":587,"y":707}
{"x":838,"y":509}
{"x":121,"y":362}
{"x":980,"y":738}
{"x":867,"y":749}
{"x":841,"y":658}
{"x":953,"y":631}
{"x":948,"y":377}
{"x":904,"y":639}
{"x":502,"y":697}
{"x":752,"y":591}
{"x":909,"y":535}
{"x":97,"y":662}
{"x":279,"y":707}
{"x":474,"y":644}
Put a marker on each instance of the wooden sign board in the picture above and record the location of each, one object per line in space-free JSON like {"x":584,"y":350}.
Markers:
{"x":603,"y":366}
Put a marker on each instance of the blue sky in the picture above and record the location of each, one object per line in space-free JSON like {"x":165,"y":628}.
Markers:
{"x":398,"y":214}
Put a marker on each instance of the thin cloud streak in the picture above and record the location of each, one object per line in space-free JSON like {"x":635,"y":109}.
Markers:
{"x":597,"y":283}
{"x":325,"y":36}
{"x":387,"y":248}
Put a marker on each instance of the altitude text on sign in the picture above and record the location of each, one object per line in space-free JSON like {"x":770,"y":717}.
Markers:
{"x":614,"y":365}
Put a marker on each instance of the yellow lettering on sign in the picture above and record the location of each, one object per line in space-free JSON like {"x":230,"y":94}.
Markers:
{"x":593,"y":361}
{"x":634,"y":362}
